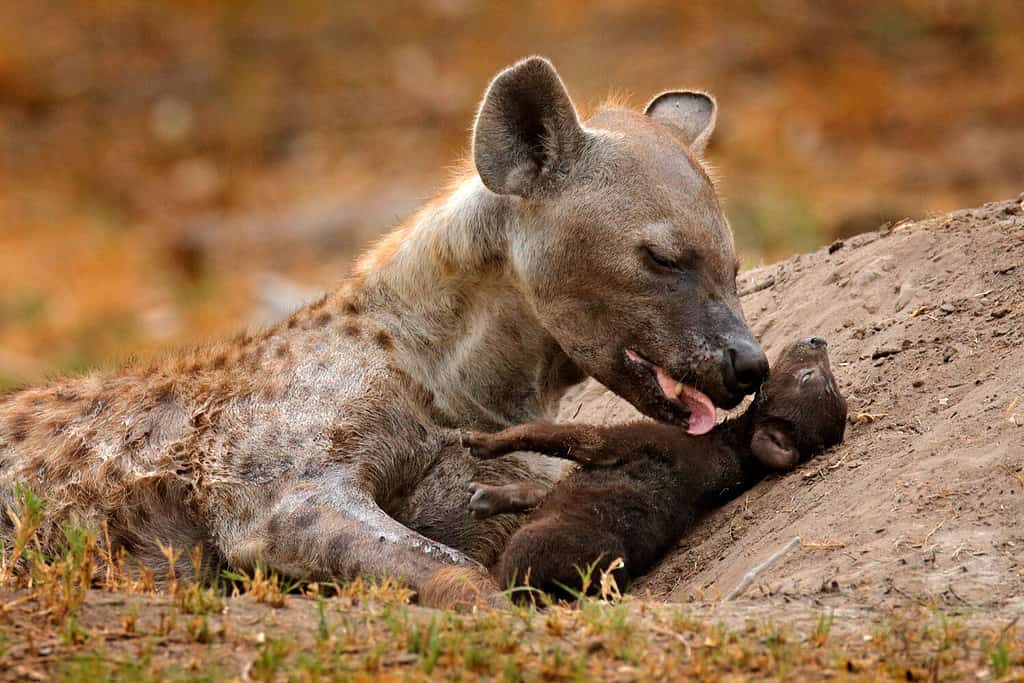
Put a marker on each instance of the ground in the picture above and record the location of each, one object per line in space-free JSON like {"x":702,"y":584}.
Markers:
{"x":909,"y":563}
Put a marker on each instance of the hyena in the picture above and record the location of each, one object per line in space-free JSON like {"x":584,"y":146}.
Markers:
{"x":328,"y":446}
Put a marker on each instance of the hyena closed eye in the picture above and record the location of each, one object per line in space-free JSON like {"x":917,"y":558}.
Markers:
{"x":327,"y":447}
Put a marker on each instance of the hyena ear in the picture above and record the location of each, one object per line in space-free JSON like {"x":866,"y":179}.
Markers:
{"x":527,"y":134}
{"x":773,"y":446}
{"x":693,"y":113}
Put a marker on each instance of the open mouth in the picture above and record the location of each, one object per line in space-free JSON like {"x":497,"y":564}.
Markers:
{"x":702,"y":410}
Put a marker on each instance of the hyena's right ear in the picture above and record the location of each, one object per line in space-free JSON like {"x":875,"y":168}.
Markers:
{"x":527,"y":134}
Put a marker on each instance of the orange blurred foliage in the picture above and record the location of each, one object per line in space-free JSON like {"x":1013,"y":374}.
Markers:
{"x":158,"y":159}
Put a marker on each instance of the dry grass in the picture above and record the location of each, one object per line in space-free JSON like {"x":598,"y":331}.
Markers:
{"x":80,"y":617}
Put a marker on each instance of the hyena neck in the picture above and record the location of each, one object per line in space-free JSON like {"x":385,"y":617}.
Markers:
{"x":444,"y":288}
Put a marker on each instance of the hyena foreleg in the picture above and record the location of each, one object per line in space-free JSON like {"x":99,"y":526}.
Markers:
{"x":324,"y":532}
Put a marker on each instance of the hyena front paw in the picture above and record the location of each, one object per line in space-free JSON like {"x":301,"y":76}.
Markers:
{"x":484,"y":500}
{"x":461,"y":588}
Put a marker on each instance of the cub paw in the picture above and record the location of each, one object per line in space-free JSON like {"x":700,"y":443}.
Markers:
{"x":484,"y":500}
{"x":479,"y":445}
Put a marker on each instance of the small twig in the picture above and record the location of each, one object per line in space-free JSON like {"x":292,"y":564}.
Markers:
{"x":677,"y":636}
{"x":16,"y":602}
{"x":1008,"y":627}
{"x":932,"y":532}
{"x":822,"y":545}
{"x":753,"y":573}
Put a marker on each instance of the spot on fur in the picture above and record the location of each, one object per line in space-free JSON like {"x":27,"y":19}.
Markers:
{"x":324,"y":318}
{"x":19,"y":426}
{"x":306,"y":517}
{"x":350,"y":329}
{"x":352,"y":307}
{"x":74,"y":451}
{"x":57,"y":427}
{"x":383,"y":340}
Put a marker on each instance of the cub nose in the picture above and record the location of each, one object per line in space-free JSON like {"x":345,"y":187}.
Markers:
{"x":814,"y":342}
{"x":746,"y":367}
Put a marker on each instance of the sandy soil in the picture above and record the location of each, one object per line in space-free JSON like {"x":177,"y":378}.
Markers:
{"x":923,"y":500}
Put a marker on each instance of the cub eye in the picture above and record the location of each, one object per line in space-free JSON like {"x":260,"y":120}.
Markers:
{"x":806,"y":375}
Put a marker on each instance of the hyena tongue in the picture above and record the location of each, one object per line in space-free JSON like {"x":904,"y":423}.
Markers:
{"x":702,"y":410}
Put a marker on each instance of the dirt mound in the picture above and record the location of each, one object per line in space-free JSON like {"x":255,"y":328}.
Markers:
{"x":924,"y":499}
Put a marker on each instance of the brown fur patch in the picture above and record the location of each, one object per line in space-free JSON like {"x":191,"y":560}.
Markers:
{"x":351,"y":329}
{"x":383,"y":339}
{"x":74,"y":451}
{"x":57,"y":427}
{"x":352,"y":307}
{"x":324,"y":318}
{"x":343,"y":439}
{"x":19,"y":426}
{"x":220,"y":361}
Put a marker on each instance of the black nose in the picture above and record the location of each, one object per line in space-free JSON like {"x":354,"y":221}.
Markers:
{"x":814,"y":342}
{"x":746,"y":367}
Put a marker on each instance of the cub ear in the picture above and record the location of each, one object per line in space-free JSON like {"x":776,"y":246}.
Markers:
{"x":527,"y":134}
{"x":692,"y":113}
{"x":774,"y":448}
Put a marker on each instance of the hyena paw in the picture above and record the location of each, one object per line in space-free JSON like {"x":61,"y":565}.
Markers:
{"x":461,"y":588}
{"x":484,"y":500}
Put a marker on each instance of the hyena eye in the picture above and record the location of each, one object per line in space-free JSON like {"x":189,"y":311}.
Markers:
{"x":660,"y":262}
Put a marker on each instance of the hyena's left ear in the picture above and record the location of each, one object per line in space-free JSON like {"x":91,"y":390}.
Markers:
{"x":527,"y":134}
{"x":692,"y":113}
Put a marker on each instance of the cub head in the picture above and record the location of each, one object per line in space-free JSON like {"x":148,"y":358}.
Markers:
{"x":799,"y":410}
{"x":619,"y":241}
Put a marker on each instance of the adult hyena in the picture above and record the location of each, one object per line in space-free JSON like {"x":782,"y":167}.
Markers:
{"x":328,"y":446}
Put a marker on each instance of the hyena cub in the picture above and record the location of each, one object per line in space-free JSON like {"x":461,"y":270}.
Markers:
{"x":643,"y":484}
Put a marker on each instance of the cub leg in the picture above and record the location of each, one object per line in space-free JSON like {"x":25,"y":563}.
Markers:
{"x":588,"y":445}
{"x":487,"y":500}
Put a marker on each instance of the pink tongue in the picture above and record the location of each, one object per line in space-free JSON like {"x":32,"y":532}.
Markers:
{"x":702,"y":410}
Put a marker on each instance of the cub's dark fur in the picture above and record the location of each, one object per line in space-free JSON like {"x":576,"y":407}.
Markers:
{"x":642,"y":485}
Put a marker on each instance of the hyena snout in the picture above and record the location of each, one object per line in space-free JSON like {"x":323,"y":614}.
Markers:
{"x":744,"y":366}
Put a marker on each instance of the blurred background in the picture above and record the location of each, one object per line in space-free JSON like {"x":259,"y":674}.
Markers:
{"x":175,"y":171}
